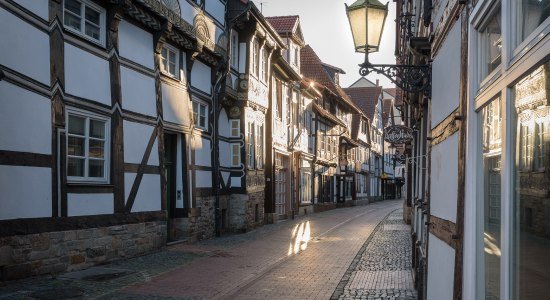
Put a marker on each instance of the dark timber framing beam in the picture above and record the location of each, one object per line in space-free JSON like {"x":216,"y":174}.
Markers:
{"x":57,"y":88}
{"x":114,"y":16}
{"x":463,"y":109}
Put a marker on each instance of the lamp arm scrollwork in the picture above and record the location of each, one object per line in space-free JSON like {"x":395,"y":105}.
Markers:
{"x":410,"y":78}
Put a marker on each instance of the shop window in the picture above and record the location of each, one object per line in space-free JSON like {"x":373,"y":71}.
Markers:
{"x":490,"y":119}
{"x":531,"y":203}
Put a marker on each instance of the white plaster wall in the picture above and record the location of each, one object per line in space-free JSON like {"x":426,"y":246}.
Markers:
{"x":154,"y":156}
{"x":440,"y":270}
{"x":89,"y":204}
{"x":39,"y":8}
{"x":25,"y":120}
{"x":235,"y":181}
{"x":176,"y":105}
{"x":136,"y":138}
{"x":444,"y":185}
{"x":216,"y":9}
{"x":87,"y":75}
{"x":25,"y":192}
{"x":200,"y":77}
{"x":225,"y":154}
{"x":136,"y":44}
{"x":138,"y":92}
{"x":223,"y":122}
{"x":23,"y":47}
{"x":148,"y":194}
{"x":203,"y":179}
{"x":202,"y":152}
{"x":225,"y":177}
{"x":446,"y":77}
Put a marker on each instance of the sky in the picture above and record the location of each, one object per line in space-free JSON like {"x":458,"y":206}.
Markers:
{"x":326,"y":29}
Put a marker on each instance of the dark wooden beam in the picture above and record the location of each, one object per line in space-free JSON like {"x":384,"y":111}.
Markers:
{"x":114,"y":16}
{"x":461,"y":192}
{"x":41,"y":225}
{"x":443,"y":229}
{"x":445,"y":128}
{"x":15,"y":158}
{"x":134,"y":168}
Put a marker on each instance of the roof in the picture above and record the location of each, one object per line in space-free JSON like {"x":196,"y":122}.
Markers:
{"x":283,"y":23}
{"x":313,"y":68}
{"x":390,"y":91}
{"x":362,"y":82}
{"x":365,"y":98}
{"x":287,"y":26}
{"x":336,"y":69}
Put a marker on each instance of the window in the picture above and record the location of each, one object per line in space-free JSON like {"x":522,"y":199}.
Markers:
{"x":234,"y":49}
{"x":265,"y":63}
{"x":235,"y":127}
{"x":530,"y":199}
{"x":250,"y":145}
{"x":526,"y":150}
{"x":87,"y":147}
{"x":530,"y":15}
{"x":491,"y":43}
{"x":85,"y":18}
{"x":305,"y":187}
{"x":200,"y":116}
{"x":281,"y":88}
{"x":235,"y":155}
{"x":542,"y":144}
{"x":259,"y":146}
{"x":296,"y":56}
{"x":170,"y":61}
{"x":255,"y":64}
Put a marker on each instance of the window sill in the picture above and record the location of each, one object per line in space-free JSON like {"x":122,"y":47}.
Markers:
{"x":77,"y":34}
{"x":170,"y":76}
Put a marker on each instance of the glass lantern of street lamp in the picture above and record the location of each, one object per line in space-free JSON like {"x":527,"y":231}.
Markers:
{"x":367,"y":19}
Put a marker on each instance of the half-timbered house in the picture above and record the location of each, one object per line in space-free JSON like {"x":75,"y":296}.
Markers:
{"x":105,"y":109}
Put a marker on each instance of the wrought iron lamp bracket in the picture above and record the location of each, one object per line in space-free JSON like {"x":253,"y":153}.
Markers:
{"x":410,"y":78}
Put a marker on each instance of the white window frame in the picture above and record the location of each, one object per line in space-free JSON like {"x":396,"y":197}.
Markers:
{"x":235,"y":124}
{"x":515,"y":63}
{"x":235,"y":153}
{"x":81,"y":32}
{"x":250,"y":145}
{"x":106,"y":150}
{"x":170,"y":48}
{"x":259,"y":145}
{"x":196,"y":115}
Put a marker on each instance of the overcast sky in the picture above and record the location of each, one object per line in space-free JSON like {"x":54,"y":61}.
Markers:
{"x":326,"y":28}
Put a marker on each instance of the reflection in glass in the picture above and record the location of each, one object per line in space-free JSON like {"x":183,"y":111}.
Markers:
{"x":491,"y":43}
{"x":531,"y":205}
{"x":531,"y":14}
{"x":491,"y":154}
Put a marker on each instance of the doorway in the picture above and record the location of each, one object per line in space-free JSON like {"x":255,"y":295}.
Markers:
{"x":170,"y":172}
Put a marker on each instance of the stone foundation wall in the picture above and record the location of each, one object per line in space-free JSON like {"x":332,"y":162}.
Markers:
{"x":305,"y":209}
{"x":202,"y":223}
{"x":54,"y":252}
{"x":246,"y":212}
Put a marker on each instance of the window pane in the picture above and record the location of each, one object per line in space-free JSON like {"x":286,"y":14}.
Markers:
{"x":75,"y":167}
{"x":172,"y":57}
{"x":75,"y":146}
{"x":203,"y":110}
{"x":202,"y":121}
{"x":491,"y":155}
{"x":92,"y":31}
{"x":531,"y":14}
{"x":96,"y":168}
{"x":172,"y":69}
{"x":531,"y":203}
{"x":92,"y":16}
{"x":76,"y":125}
{"x":97,"y":148}
{"x":71,"y":21}
{"x":492,"y":43}
{"x":97,"y":129}
{"x":73,"y":6}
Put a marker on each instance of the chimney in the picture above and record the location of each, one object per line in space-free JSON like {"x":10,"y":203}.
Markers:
{"x":377,"y":82}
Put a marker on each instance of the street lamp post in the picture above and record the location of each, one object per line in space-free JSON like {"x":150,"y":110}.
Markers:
{"x":367,"y":19}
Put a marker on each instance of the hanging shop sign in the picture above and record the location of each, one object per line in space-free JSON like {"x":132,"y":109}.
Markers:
{"x":398,"y":134}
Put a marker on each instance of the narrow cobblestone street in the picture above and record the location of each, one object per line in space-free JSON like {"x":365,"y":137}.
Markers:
{"x":338,"y":254}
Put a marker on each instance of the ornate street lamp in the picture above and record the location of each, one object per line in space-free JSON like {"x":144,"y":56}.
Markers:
{"x":367,"y":19}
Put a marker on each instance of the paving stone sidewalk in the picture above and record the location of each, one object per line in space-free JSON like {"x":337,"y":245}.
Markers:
{"x":382,"y":268}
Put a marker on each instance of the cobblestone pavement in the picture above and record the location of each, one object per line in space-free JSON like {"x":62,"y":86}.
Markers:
{"x":378,"y":273}
{"x":305,"y":258}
